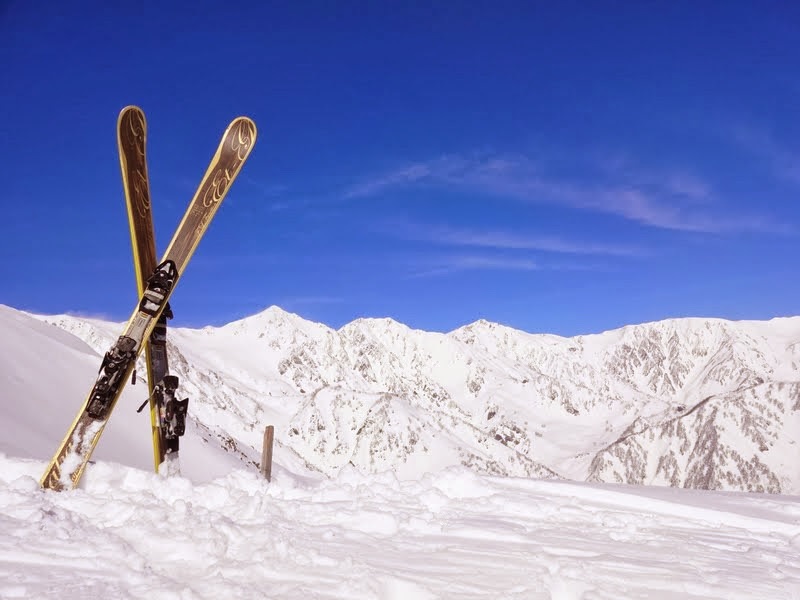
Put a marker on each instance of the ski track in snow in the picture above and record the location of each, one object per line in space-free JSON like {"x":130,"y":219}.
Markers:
{"x":127,"y":533}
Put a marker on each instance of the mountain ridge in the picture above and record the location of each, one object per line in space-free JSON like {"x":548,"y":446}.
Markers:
{"x":689,"y":402}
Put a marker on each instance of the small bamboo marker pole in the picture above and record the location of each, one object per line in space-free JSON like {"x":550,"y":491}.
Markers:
{"x":266,"y":453}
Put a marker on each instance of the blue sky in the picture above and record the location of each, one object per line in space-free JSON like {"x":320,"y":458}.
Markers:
{"x":551,"y":167}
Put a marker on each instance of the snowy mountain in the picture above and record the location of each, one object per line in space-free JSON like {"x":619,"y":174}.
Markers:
{"x":376,"y":395}
{"x":699,"y":403}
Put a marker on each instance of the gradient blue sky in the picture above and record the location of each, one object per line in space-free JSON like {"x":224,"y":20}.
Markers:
{"x":551,"y":167}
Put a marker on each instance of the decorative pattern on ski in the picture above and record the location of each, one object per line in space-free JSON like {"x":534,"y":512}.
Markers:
{"x":224,"y":167}
{"x":131,"y":140}
{"x":131,"y":143}
{"x":67,"y":465}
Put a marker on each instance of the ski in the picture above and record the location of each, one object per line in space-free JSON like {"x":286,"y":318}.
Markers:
{"x":67,"y":465}
{"x":131,"y":143}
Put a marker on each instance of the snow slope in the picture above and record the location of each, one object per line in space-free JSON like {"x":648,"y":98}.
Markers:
{"x":45,"y":374}
{"x":699,"y":403}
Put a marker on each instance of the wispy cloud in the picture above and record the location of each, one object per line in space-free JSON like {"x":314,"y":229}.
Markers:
{"x":267,"y":190}
{"x":274,"y":193}
{"x":410,"y":174}
{"x":688,"y":186}
{"x":503,"y":240}
{"x":446,"y":265}
{"x":671,"y":183}
{"x":666,"y":200}
{"x":782,"y":161}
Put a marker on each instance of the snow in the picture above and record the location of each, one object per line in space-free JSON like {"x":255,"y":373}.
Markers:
{"x":127,"y":533}
{"x":622,"y":406}
{"x":221,"y":531}
{"x":45,"y":374}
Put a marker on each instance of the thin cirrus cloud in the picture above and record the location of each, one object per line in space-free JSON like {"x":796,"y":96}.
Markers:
{"x":666,"y":201}
{"x":676,"y":184}
{"x":405,"y":175}
{"x":504,"y":240}
{"x":445,"y":265}
{"x":780,"y":160}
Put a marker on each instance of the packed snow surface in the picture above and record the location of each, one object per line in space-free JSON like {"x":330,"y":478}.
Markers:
{"x":131,"y":534}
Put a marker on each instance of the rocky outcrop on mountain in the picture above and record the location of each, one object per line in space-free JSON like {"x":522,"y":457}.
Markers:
{"x":701,"y":403}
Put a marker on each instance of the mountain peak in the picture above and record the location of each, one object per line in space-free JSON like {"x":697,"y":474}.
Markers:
{"x":685,"y":402}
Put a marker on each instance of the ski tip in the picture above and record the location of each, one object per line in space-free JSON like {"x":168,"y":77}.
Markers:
{"x":246,"y":131}
{"x":134,"y":117}
{"x":244,"y":122}
{"x":130,"y":108}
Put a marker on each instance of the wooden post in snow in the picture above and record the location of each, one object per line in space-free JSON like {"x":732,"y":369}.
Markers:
{"x":266,"y":453}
